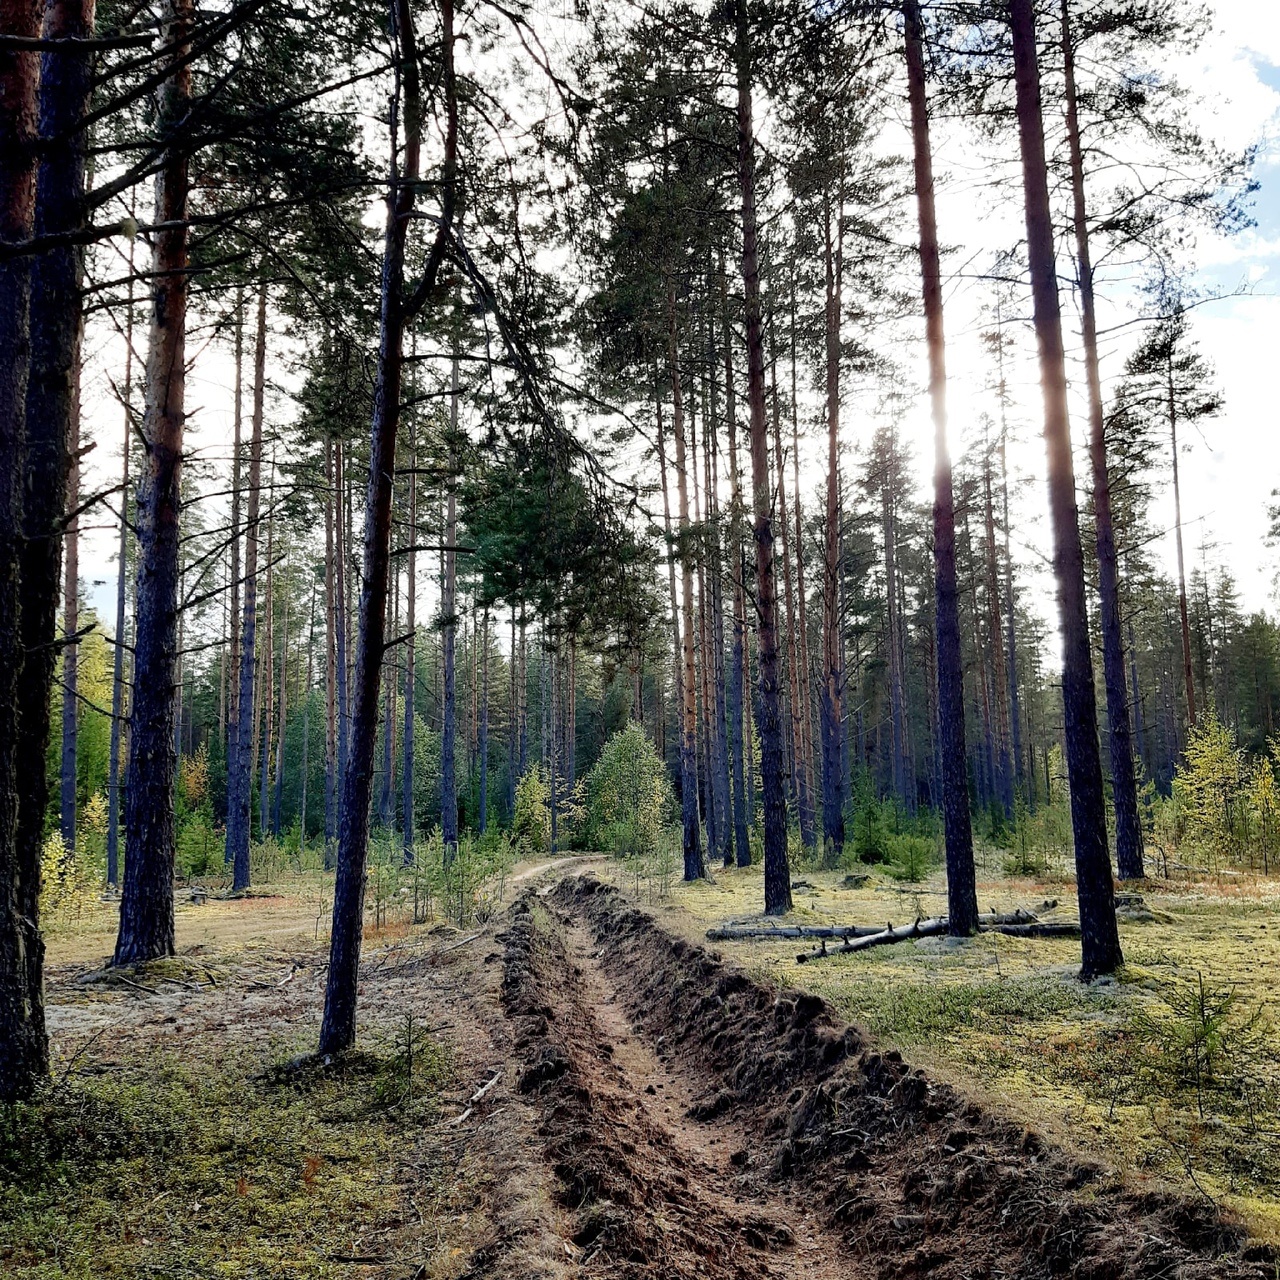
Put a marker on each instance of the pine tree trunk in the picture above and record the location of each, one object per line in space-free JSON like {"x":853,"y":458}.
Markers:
{"x":52,"y":474}
{"x":677,"y":646}
{"x":23,"y":1046}
{"x":71,"y":585}
{"x":448,"y":639}
{"x":737,"y":662}
{"x":999,"y":682}
{"x":832,"y":701}
{"x":962,"y":900}
{"x":407,"y":819}
{"x":266,"y":672}
{"x":1100,"y":940}
{"x":240,"y":757}
{"x":306,"y":726}
{"x":717,"y":712}
{"x":804,"y":670}
{"x":386,"y":801}
{"x":330,"y":665}
{"x":337,"y":1030}
{"x":278,"y":795}
{"x":1188,"y":680}
{"x":237,"y":422}
{"x":341,"y":631}
{"x":483,"y":732}
{"x":1011,"y":646}
{"x":118,"y":649}
{"x":146,"y":907}
{"x":1124,"y":789}
{"x":777,"y":873}
{"x":694,"y":868}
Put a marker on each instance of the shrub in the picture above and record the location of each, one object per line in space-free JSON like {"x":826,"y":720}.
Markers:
{"x":531,"y":823}
{"x":629,"y":797}
{"x":910,"y":857}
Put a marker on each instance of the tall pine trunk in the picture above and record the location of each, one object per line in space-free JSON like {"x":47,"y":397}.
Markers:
{"x":70,"y":590}
{"x":1188,"y":679}
{"x":410,"y":653}
{"x":146,"y":906}
{"x":240,"y":756}
{"x":338,"y":1027}
{"x":448,"y":641}
{"x":737,"y":661}
{"x":330,"y":665}
{"x":482,"y":817}
{"x":23,"y":1047}
{"x":962,"y":897}
{"x":1124,"y":787}
{"x":118,"y":648}
{"x":1100,"y":939}
{"x":694,"y":869}
{"x":832,"y":700}
{"x":278,"y":788}
{"x":777,"y":873}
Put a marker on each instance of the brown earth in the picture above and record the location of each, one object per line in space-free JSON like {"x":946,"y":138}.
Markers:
{"x":656,"y":1113}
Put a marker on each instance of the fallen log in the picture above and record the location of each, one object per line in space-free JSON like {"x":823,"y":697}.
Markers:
{"x":730,"y":932}
{"x":1039,"y":929}
{"x":931,"y":928}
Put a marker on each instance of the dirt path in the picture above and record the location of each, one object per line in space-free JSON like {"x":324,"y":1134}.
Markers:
{"x":696,"y":1123}
{"x":716,"y":1152}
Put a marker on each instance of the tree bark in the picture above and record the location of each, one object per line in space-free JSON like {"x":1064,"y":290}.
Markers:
{"x":146,"y":906}
{"x":278,"y":790}
{"x":237,"y":445}
{"x":1188,"y":679}
{"x":831,"y":711}
{"x":240,"y":757}
{"x":266,"y":664}
{"x":118,"y":650}
{"x":1124,"y":788}
{"x":306,"y":725}
{"x":410,"y":653}
{"x":23,"y":1046}
{"x":1100,"y":939}
{"x":737,"y":662}
{"x":448,"y":640}
{"x":482,"y":817}
{"x":338,"y":1028}
{"x":694,"y":868}
{"x":962,"y":898}
{"x":777,"y":872}
{"x":71,"y":581}
{"x":330,"y":664}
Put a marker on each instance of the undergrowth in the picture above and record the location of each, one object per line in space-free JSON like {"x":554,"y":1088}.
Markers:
{"x":236,"y":1167}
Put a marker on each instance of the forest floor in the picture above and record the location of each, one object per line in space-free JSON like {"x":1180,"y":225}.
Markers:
{"x":654,"y":1109}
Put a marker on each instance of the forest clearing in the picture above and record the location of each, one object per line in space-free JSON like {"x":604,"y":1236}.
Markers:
{"x":639,"y":638}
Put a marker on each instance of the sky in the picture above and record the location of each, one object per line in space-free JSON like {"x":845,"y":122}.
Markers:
{"x":1227,"y":475}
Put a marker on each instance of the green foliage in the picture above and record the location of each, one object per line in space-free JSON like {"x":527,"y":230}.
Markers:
{"x":68,"y":884}
{"x":531,"y":825}
{"x":911,"y":857}
{"x":1209,"y":790}
{"x":1208,"y":1043}
{"x":629,"y":796}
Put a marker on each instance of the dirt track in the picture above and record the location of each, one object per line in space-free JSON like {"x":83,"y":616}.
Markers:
{"x":698,"y":1123}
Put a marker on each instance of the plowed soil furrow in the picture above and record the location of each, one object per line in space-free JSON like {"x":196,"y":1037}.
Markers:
{"x":699,"y":1123}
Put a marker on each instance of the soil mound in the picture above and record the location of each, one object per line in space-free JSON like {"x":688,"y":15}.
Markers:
{"x":912,"y":1177}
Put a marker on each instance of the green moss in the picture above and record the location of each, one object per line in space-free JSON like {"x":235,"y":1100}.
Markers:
{"x":240,"y":1167}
